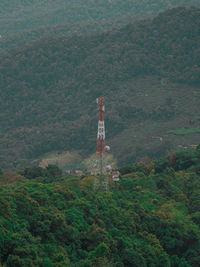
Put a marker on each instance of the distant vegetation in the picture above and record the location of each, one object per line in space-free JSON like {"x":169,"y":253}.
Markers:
{"x":48,"y":89}
{"x":27,"y":15}
{"x":152,"y":218}
{"x":185,"y":131}
{"x":67,"y":30}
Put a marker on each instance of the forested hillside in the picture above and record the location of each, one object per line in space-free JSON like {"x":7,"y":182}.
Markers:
{"x":67,"y":30}
{"x":150,"y":219}
{"x":56,"y":58}
{"x":147,"y":71}
{"x":19,"y":15}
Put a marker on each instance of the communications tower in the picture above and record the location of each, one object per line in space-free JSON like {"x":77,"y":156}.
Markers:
{"x":101,"y":175}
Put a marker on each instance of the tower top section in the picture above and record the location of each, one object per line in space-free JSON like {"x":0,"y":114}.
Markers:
{"x":100,"y":102}
{"x":101,"y":108}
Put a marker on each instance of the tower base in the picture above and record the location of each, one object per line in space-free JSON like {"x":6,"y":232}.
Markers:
{"x":101,"y":176}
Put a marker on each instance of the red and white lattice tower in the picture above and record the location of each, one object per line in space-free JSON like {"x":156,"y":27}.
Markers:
{"x":101,"y":175}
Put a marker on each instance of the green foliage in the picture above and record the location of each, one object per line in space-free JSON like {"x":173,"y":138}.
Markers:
{"x":128,"y":169}
{"x":185,"y":131}
{"x":53,"y":171}
{"x":46,"y":175}
{"x":151,"y":220}
{"x":31,"y":173}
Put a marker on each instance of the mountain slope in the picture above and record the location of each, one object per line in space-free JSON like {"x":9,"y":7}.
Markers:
{"x":26,"y":15}
{"x":147,"y":71}
{"x":67,"y":30}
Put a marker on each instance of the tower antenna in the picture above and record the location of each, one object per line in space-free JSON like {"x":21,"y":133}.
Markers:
{"x":101,"y":175}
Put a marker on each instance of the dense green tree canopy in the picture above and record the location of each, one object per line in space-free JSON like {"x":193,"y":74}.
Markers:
{"x":150,"y":219}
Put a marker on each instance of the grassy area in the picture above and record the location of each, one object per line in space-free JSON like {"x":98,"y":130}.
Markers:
{"x":65,"y":160}
{"x":185,"y":131}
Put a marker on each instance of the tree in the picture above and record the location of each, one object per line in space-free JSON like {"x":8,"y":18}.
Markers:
{"x":53,"y":171}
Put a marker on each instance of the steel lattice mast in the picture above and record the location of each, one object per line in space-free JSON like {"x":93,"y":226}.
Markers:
{"x":101,"y":176}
